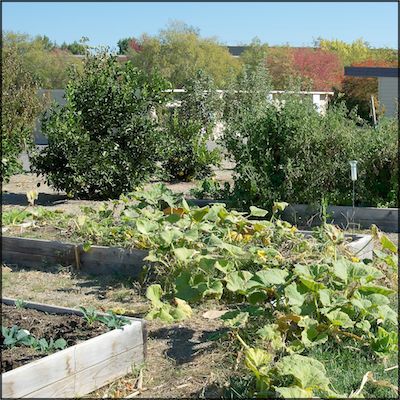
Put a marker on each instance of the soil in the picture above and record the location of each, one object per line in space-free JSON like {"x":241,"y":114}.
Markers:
{"x":74,"y":329}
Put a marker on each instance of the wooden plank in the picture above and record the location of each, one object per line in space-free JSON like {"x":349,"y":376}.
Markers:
{"x":36,"y":246}
{"x":85,"y":366}
{"x":33,"y":376}
{"x":92,"y":378}
{"x":25,"y":260}
{"x":385,"y":219}
{"x":111,"y":343}
{"x":99,"y":260}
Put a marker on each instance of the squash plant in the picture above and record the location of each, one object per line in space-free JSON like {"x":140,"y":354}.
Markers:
{"x":290,"y":293}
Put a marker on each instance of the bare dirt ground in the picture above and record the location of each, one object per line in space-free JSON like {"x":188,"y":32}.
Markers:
{"x":182,"y":360}
{"x":14,"y":192}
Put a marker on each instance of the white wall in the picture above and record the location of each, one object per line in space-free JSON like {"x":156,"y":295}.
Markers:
{"x":388,"y":95}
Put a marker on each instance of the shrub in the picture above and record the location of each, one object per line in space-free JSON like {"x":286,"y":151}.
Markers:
{"x":103,"y":142}
{"x":378,"y":150}
{"x":288,"y":151}
{"x":189,"y":127}
{"x":20,"y":107}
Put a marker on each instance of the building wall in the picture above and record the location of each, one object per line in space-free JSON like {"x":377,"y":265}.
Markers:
{"x":388,"y":95}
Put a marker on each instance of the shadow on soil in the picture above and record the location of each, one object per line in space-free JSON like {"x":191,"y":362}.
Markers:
{"x":44,"y":199}
{"x":185,"y":344}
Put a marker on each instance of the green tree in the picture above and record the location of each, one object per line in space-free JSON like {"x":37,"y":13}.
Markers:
{"x":47,"y":65}
{"x":20,"y":108}
{"x":75,"y":47}
{"x":255,"y":54}
{"x":179,"y":51}
{"x":103,"y":141}
{"x":348,"y":53}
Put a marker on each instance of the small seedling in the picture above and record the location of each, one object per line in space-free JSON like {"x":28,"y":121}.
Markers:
{"x":47,"y":347}
{"x":113,"y":321}
{"x":90,"y":315}
{"x":15,"y":336}
{"x":19,"y":304}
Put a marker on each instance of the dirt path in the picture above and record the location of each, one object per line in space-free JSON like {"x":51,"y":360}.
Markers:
{"x":14,"y":192}
{"x":182,"y":360}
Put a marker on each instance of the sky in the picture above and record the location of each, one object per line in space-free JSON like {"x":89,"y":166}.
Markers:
{"x":296,"y":24}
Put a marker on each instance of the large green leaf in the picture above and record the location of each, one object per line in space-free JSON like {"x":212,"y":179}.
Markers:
{"x":199,"y":214}
{"x":366,"y":289}
{"x":307,"y":372}
{"x":312,"y":285}
{"x":235,"y":319}
{"x":184,"y":287}
{"x":270,"y":332}
{"x":145,"y":226}
{"x":388,"y":244}
{"x":238,"y":281}
{"x":340,"y":268}
{"x":255,"y":359}
{"x":340,"y":318}
{"x":257,"y":212}
{"x":294,"y":392}
{"x":215,"y":289}
{"x":183,"y":254}
{"x":312,"y":335}
{"x":294,"y":297}
{"x":270,"y":277}
{"x":181,"y":311}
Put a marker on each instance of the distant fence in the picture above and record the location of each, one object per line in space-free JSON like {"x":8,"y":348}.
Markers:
{"x":320,"y":100}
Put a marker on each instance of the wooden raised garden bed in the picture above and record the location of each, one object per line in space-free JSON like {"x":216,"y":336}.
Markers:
{"x":102,"y":260}
{"x":79,"y":369}
{"x":98,"y":260}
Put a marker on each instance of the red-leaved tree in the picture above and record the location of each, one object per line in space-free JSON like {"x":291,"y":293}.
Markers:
{"x":323,"y":68}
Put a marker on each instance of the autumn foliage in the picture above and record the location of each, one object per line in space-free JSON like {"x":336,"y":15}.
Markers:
{"x":321,"y":67}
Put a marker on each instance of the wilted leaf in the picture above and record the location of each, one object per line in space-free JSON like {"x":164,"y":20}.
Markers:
{"x":388,"y":244}
{"x":154,"y":293}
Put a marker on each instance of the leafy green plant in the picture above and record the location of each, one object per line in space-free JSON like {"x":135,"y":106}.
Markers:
{"x":210,"y":188}
{"x":284,"y":149}
{"x":20,"y":304}
{"x":189,"y":126}
{"x":48,"y":346}
{"x":15,"y":336}
{"x":286,"y":294}
{"x":114,"y":321}
{"x":90,"y":314}
{"x":164,"y":311}
{"x":103,"y":142}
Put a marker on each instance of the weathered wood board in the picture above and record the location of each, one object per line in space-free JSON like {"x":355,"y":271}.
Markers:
{"x":99,"y":260}
{"x":386,"y":219}
{"x":79,"y":369}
